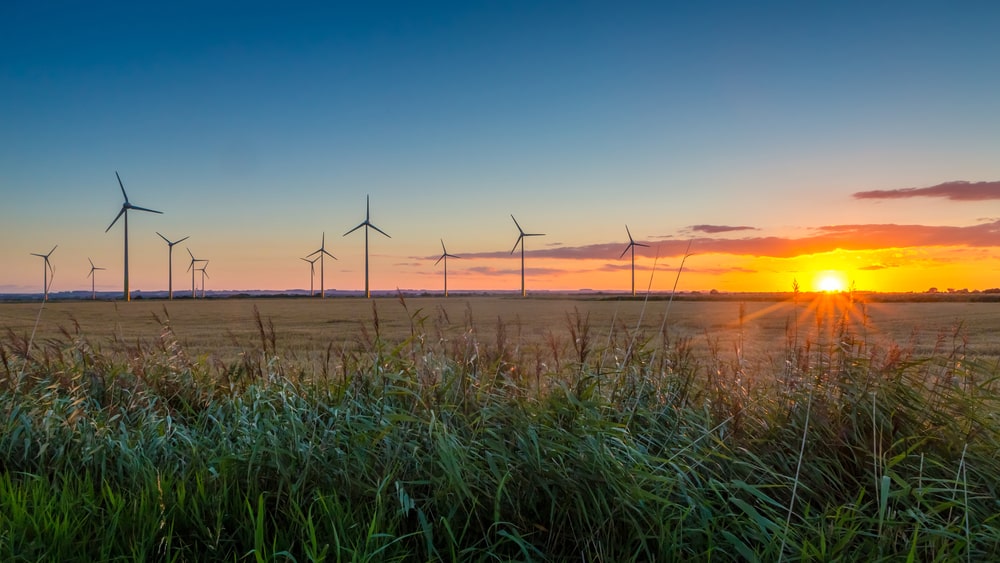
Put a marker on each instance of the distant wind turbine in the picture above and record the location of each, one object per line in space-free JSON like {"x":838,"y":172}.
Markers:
{"x":312,"y":273}
{"x":631,"y":246}
{"x":124,"y":211}
{"x":445,"y":256}
{"x":170,"y":263}
{"x":192,"y":269}
{"x":520,"y":240}
{"x":367,"y":224}
{"x":93,"y":279}
{"x":46,"y":268}
{"x":322,"y":269}
{"x":204,"y":274}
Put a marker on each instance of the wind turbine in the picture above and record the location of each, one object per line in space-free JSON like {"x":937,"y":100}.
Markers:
{"x":124,"y":211}
{"x":445,"y":256}
{"x":192,"y":269}
{"x":170,"y":262}
{"x":93,"y":279}
{"x":322,"y":269}
{"x":312,"y":273}
{"x":204,"y":274}
{"x":631,"y":246}
{"x":520,"y":240}
{"x":367,"y":224}
{"x":46,"y":268}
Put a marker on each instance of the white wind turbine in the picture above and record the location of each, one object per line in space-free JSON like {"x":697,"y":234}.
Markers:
{"x":321,"y":252}
{"x":46,"y":268}
{"x":312,"y":273}
{"x":631,"y":246}
{"x":192,"y":269}
{"x":445,"y":256}
{"x":124,"y":211}
{"x":520,"y":240}
{"x":93,"y":279}
{"x":170,"y":263}
{"x":367,"y":224}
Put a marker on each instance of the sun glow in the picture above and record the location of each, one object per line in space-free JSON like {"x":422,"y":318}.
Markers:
{"x":830,"y":281}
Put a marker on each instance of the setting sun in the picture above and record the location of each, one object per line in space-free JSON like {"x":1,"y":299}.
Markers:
{"x":831,"y":282}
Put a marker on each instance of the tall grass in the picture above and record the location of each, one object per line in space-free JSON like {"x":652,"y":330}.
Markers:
{"x":598,"y":443}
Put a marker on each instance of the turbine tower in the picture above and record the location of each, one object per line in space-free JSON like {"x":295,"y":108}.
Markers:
{"x":170,"y":263}
{"x":322,"y":269}
{"x":631,"y":246}
{"x":93,"y":279}
{"x":520,"y":240}
{"x":46,"y":268}
{"x":445,"y":256}
{"x":312,"y":273}
{"x":124,"y":211}
{"x":192,"y":269}
{"x":367,"y":224}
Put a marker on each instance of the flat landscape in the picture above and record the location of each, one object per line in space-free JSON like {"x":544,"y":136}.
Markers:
{"x":305,"y":328}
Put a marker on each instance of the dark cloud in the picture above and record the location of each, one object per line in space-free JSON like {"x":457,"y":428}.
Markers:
{"x":958,"y":190}
{"x":716,"y":229}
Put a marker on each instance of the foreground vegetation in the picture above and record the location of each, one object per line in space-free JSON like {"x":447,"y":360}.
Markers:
{"x":614,"y":446}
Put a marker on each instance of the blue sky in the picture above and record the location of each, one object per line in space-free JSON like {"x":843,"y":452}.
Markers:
{"x":256,"y":127}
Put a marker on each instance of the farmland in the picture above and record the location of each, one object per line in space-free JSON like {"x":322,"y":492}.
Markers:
{"x":305,"y":328}
{"x":488,"y":428}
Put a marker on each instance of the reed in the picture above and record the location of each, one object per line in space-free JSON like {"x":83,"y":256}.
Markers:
{"x":597,"y":443}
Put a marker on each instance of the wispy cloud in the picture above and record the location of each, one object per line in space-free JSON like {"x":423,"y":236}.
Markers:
{"x":823,"y":239}
{"x":716,"y":229}
{"x":958,"y":190}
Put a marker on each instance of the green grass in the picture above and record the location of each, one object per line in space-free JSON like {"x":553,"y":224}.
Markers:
{"x":624,"y":445}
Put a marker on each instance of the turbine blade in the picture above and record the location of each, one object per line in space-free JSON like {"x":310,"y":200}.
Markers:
{"x":640,"y":244}
{"x":626,"y":250}
{"x":182,"y":240}
{"x":120,"y":184}
{"x":443,"y":249}
{"x":91,"y":263}
{"x":330,"y":255}
{"x":629,"y":234}
{"x":165,"y":238}
{"x":379,"y":230}
{"x":519,"y":239}
{"x":144,"y":209}
{"x":120,"y":213}
{"x":51,"y":251}
{"x":315,"y":252}
{"x":452,"y":256}
{"x":518,"y":224}
{"x":439,"y":259}
{"x":355,"y":228}
{"x":534,"y":234}
{"x":189,"y":254}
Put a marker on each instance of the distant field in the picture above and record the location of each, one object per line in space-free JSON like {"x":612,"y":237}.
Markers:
{"x":306,"y":328}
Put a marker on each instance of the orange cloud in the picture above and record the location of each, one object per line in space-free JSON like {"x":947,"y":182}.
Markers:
{"x":826,"y":239}
{"x":958,"y":190}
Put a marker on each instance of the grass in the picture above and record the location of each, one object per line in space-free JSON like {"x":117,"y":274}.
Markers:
{"x":437,"y":436}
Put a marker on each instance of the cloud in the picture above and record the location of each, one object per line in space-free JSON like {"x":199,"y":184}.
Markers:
{"x":823,"y":239}
{"x":715,"y":229}
{"x":958,"y":190}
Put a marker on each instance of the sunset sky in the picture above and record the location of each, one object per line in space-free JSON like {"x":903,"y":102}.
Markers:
{"x":775,"y":140}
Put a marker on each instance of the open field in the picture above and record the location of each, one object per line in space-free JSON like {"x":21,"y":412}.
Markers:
{"x":488,"y":429}
{"x":304,"y":329}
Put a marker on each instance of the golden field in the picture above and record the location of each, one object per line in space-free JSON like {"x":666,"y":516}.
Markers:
{"x":306,"y":329}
